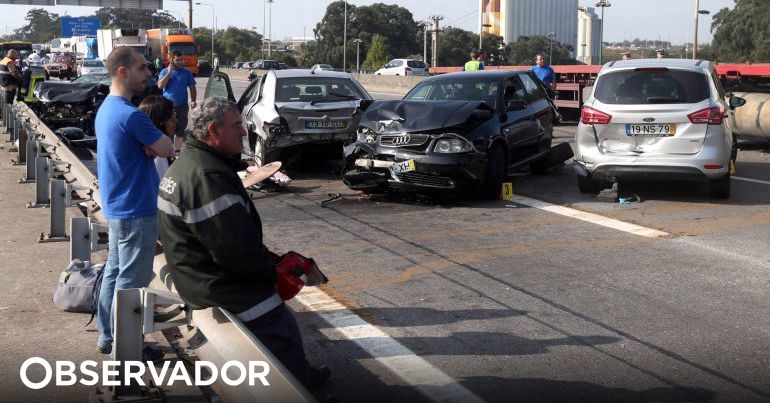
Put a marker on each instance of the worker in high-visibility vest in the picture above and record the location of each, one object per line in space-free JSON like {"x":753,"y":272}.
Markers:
{"x":475,"y":64}
{"x":9,"y":75}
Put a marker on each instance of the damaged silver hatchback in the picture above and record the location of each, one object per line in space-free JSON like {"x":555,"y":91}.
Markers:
{"x":296,"y":113}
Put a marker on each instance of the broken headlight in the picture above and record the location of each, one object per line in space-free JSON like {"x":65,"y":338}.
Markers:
{"x":450,"y":145}
{"x":366,"y":135}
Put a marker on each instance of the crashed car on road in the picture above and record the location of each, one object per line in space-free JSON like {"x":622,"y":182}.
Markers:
{"x":460,"y":132}
{"x":296,"y":112}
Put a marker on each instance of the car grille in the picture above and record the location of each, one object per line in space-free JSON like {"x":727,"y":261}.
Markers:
{"x":403,"y":140}
{"x":418,"y":178}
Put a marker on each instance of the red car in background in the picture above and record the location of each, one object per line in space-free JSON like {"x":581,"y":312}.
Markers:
{"x":62,"y":65}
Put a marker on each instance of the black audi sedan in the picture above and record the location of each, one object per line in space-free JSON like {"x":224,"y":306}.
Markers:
{"x":460,"y":133}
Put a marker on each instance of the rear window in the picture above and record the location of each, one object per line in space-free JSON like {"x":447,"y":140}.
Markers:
{"x":417,"y":64}
{"x":306,"y":89}
{"x":636,"y":87}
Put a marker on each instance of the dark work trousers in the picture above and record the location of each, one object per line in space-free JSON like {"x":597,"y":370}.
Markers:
{"x":181,"y":120}
{"x":279,"y":332}
{"x":9,"y":96}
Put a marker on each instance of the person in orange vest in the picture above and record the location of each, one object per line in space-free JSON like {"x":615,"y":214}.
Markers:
{"x":9,"y":75}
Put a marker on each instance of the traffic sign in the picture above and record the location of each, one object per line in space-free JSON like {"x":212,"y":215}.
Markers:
{"x":79,"y":26}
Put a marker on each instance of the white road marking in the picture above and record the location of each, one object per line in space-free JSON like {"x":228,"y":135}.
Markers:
{"x":591,"y":218}
{"x":415,"y":371}
{"x":740,"y":178}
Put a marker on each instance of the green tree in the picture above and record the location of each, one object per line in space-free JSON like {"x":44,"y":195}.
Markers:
{"x":391,"y":22}
{"x":42,"y":26}
{"x":378,"y":54}
{"x":114,"y":18}
{"x":741,"y":34}
{"x":523,"y":51}
{"x":455,"y":45}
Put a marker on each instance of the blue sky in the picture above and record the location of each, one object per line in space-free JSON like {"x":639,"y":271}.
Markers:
{"x":668,"y":19}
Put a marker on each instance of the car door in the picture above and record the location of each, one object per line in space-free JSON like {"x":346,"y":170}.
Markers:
{"x":540,"y":109}
{"x":517,"y":124}
{"x":219,"y":86}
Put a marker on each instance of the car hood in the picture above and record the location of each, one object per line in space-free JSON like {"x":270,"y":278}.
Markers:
{"x":415,"y":116}
{"x":296,"y":114}
{"x":65,"y":92}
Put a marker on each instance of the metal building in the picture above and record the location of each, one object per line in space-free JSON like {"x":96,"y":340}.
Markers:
{"x":514,"y":18}
{"x":588,"y":36}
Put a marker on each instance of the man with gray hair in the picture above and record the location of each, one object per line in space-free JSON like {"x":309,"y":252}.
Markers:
{"x":212,"y":236}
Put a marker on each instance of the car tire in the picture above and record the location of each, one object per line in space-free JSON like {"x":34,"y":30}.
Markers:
{"x":494,"y":174}
{"x":588,"y":185}
{"x":540,"y":166}
{"x":720,"y":188}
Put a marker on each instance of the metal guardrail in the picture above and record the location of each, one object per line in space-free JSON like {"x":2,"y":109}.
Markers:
{"x":215,"y":334}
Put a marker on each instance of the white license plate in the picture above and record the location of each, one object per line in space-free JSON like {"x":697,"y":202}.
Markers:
{"x":325,"y":124}
{"x":651,"y":130}
{"x":403,"y":166}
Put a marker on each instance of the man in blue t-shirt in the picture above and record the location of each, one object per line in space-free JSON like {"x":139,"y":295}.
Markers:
{"x":128,"y":184}
{"x":175,"y":81}
{"x":544,"y":72}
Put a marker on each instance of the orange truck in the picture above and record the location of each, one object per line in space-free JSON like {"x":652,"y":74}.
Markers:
{"x":163,"y":41}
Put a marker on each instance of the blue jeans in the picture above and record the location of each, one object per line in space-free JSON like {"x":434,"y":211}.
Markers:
{"x":129,"y":265}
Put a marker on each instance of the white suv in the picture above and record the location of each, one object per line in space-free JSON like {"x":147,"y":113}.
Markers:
{"x":403,"y":67}
{"x":657,"y":119}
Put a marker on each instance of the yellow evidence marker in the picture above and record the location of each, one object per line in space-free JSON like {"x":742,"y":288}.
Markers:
{"x":507,"y":192}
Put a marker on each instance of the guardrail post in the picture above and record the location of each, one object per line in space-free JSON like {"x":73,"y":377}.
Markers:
{"x":42,"y":198}
{"x":22,"y":148}
{"x":17,"y":125}
{"x":80,"y":243}
{"x":32,"y":146}
{"x":134,"y":316}
{"x":58,"y":212}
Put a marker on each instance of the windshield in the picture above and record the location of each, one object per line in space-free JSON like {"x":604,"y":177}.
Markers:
{"x":92,"y":63}
{"x":185,"y":48}
{"x":309,"y":89}
{"x":458,"y":89}
{"x":654,"y":86}
{"x":63,"y":59}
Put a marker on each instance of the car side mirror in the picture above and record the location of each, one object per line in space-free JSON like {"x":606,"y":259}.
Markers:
{"x":736,"y":102}
{"x":515,"y":105}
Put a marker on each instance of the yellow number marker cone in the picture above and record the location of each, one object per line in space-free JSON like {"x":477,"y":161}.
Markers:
{"x":507,"y":191}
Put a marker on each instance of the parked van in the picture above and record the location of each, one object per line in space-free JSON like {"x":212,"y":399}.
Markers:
{"x":403,"y":67}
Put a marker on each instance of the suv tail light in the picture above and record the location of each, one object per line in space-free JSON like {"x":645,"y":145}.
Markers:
{"x":591,"y":116}
{"x":709,"y":116}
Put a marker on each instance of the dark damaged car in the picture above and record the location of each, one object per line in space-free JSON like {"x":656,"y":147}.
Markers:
{"x":459,"y":133}
{"x":296,"y":113}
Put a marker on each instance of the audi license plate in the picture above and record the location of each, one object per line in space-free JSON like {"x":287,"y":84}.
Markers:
{"x":653,"y":130}
{"x":325,"y":124}
{"x":401,"y":167}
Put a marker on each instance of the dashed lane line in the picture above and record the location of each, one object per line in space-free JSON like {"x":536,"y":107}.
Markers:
{"x":591,"y":218}
{"x":413,"y":370}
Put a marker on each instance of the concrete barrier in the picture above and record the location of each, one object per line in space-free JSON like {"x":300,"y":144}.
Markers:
{"x":399,"y":85}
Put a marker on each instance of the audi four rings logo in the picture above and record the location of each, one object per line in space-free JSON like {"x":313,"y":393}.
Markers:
{"x":400,"y":140}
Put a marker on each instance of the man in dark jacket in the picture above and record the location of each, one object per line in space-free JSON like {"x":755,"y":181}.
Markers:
{"x":212,"y":235}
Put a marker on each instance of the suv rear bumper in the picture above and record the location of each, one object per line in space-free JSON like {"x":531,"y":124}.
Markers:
{"x":613,"y":173}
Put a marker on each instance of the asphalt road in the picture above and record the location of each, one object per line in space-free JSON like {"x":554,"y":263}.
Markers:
{"x":536,"y":302}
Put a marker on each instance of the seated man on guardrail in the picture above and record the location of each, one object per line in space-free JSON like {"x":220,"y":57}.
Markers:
{"x":212,"y":237}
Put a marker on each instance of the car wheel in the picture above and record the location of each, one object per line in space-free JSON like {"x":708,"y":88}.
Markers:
{"x":494,"y":174}
{"x":541,"y":165}
{"x":720,"y":188}
{"x":588,"y":185}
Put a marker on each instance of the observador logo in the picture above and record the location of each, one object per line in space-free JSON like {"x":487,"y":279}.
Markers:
{"x":107,"y":373}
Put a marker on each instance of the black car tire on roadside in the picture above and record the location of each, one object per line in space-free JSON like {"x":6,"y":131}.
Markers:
{"x":541,"y":166}
{"x":494,"y":174}
{"x":720,"y":188}
{"x":588,"y":185}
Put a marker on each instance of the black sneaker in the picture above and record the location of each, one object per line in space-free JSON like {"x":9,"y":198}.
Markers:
{"x":104,"y":350}
{"x":152,"y":354}
{"x":319,"y":376}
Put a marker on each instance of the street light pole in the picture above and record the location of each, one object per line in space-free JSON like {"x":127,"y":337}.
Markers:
{"x":358,"y":43}
{"x":213,"y":17}
{"x":270,"y":30}
{"x":603,"y":4}
{"x":698,"y":11}
{"x":550,"y":51}
{"x":345,"y":38}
